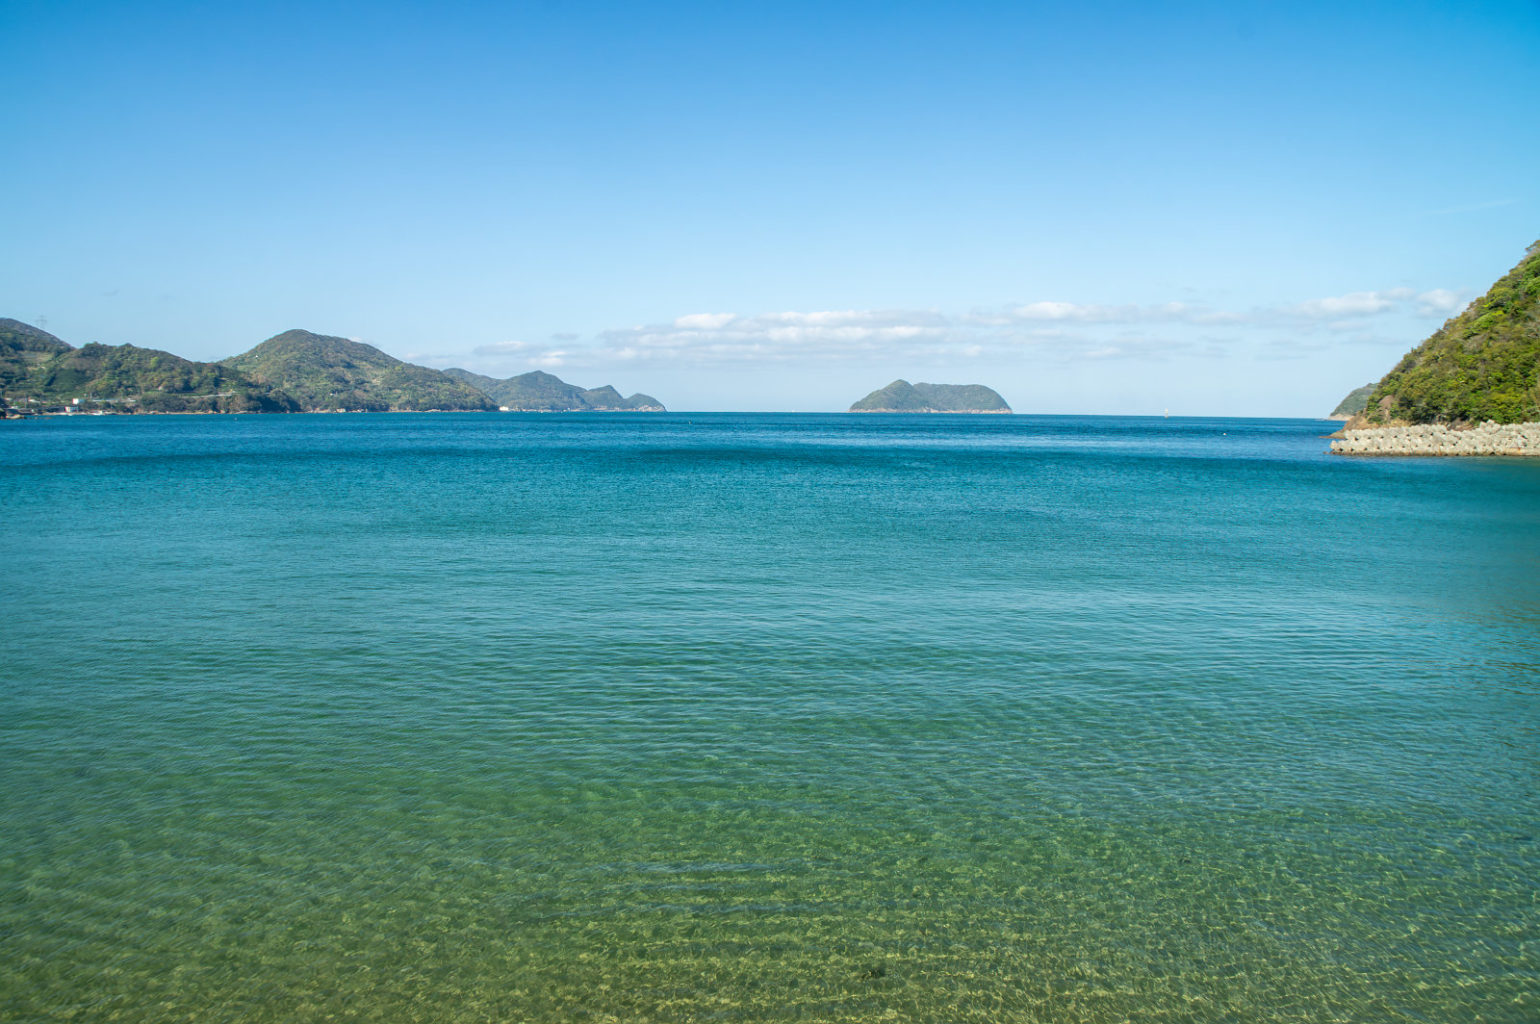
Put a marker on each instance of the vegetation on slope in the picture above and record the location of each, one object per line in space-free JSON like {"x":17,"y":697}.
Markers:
{"x":544,"y":392}
{"x":40,"y":372}
{"x":22,"y":347}
{"x":149,"y":380}
{"x":901,"y":396}
{"x":1354,"y":404}
{"x":296,"y":371}
{"x":323,"y":373}
{"x":607,"y":399}
{"x":1481,"y":365}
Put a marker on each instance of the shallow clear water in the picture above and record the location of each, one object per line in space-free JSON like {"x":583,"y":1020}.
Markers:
{"x":762,"y":718}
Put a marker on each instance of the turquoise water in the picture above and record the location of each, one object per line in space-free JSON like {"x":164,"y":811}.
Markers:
{"x":763,"y":718}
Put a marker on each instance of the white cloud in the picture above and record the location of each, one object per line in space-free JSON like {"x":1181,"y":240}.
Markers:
{"x":500,"y":348}
{"x":1061,"y":311}
{"x":1165,"y":312}
{"x":1351,"y":304}
{"x":1340,"y":312}
{"x":1127,"y":346}
{"x":1439,"y":302}
{"x":868,"y":318}
{"x":704,"y":321}
{"x":1044,"y":329}
{"x":777,"y":336}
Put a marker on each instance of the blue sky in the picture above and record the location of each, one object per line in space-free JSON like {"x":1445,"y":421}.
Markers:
{"x":1094,"y":208}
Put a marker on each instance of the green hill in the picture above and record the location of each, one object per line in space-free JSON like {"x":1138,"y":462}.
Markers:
{"x":39,"y":372}
{"x":323,"y":373}
{"x":544,"y":392}
{"x":1482,"y":365}
{"x":1353,"y":404}
{"x":149,"y":380}
{"x":23,"y":347}
{"x":296,"y":371}
{"x":901,"y":396}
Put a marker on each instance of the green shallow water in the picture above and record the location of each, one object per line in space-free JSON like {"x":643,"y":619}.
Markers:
{"x":763,"y":718}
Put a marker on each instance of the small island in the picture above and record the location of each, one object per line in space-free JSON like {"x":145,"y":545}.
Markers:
{"x":902,"y":396}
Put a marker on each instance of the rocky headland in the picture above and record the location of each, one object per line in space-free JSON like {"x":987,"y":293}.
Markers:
{"x":1488,"y":438}
{"x":1471,"y":388}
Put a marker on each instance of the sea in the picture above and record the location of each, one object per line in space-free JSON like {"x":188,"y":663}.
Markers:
{"x":760,"y":718}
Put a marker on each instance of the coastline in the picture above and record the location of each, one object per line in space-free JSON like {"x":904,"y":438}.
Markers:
{"x":83,"y":413}
{"x":1489,"y":438}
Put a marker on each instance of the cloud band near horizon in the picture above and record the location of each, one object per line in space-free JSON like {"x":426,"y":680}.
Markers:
{"x":1060,"y":330}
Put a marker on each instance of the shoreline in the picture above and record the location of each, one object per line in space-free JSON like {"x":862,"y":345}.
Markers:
{"x":1489,"y":438}
{"x":87,"y":414}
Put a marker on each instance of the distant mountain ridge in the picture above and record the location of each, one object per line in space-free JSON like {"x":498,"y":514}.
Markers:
{"x":39,"y":371}
{"x":901,"y":396}
{"x":538,"y":391}
{"x":323,"y":373}
{"x":296,"y":371}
